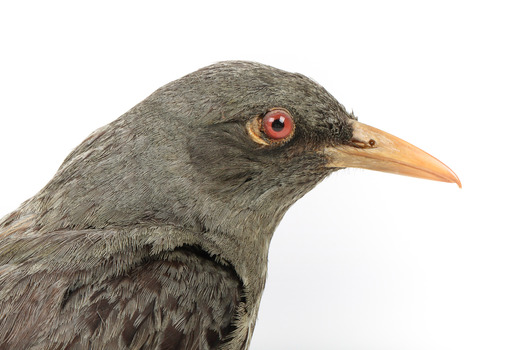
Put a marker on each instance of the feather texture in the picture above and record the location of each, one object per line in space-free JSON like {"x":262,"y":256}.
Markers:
{"x":140,"y":303}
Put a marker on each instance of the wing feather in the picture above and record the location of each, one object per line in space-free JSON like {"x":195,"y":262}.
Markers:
{"x":182,"y":299}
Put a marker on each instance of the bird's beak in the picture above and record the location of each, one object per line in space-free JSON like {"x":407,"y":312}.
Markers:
{"x":373,"y":149}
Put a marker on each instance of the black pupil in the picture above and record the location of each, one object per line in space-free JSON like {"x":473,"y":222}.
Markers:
{"x":278,"y":124}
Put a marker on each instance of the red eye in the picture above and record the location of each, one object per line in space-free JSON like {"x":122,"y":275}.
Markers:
{"x":278,"y":124}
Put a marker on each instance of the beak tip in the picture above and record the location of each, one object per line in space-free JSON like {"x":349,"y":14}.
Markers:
{"x":453,"y":178}
{"x":448,"y":175}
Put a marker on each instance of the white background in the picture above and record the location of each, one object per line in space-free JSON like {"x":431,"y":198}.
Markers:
{"x":366,"y":260}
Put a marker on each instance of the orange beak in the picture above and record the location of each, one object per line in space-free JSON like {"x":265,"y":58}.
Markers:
{"x":373,"y":149}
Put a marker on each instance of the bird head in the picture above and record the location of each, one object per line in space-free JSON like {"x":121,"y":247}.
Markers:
{"x":261,"y":138}
{"x":227,"y":148}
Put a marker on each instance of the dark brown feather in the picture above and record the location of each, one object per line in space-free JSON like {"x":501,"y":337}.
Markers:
{"x":145,"y":307}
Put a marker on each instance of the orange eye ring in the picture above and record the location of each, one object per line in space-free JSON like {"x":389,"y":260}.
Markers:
{"x":278,"y":124}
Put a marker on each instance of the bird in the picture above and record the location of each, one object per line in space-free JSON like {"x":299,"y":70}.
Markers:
{"x":154,"y":233}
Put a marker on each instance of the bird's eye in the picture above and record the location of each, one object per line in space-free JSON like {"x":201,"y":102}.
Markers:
{"x":278,"y":124}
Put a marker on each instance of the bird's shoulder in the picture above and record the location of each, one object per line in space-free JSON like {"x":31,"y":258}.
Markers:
{"x":183,"y":301}
{"x":180,"y":298}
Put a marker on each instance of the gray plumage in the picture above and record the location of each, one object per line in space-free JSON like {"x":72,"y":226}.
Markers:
{"x":154,"y":233}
